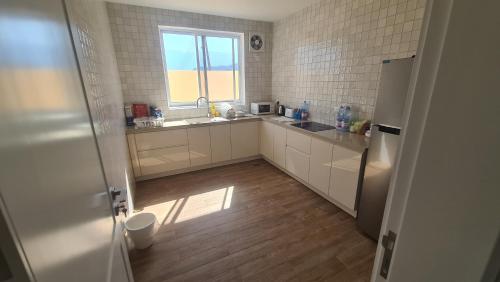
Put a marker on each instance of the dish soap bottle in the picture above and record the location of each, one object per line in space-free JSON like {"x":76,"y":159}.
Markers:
{"x":213,"y":111}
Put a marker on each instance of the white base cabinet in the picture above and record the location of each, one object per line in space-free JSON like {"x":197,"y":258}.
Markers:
{"x":160,"y":153}
{"x":344,"y":176}
{"x":279,"y":152}
{"x":200,"y":152}
{"x":266,"y":147}
{"x":244,"y":139}
{"x":297,"y":163}
{"x":165,"y":159}
{"x":320,"y":165}
{"x":160,"y":139}
{"x":220,"y":139}
{"x":298,"y":149}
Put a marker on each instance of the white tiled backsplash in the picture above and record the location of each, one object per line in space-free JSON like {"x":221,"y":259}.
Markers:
{"x":331,"y":52}
{"x":328,"y":54}
{"x":138,"y":53}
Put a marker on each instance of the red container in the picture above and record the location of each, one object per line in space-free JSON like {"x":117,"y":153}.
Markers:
{"x":140,"y":110}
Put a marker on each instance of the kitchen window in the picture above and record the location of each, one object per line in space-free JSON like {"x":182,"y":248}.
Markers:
{"x":202,"y":63}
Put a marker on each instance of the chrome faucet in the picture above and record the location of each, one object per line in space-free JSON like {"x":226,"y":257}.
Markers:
{"x":208,"y":104}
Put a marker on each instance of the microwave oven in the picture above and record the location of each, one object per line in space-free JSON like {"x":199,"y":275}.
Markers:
{"x":262,"y":108}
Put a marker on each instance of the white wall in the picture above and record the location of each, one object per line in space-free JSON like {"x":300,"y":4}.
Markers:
{"x":331,"y":52}
{"x":138,"y":52}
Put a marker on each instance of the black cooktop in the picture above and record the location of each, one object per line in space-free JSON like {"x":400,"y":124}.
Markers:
{"x":313,"y":126}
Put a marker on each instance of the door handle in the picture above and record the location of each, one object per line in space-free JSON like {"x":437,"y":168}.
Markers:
{"x":120,"y":207}
{"x":115,"y":193}
{"x":388,"y":242}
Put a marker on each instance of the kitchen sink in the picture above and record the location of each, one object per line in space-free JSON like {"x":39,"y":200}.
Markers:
{"x":202,"y":120}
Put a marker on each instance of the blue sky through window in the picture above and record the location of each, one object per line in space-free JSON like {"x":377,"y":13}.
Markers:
{"x":180,"y":52}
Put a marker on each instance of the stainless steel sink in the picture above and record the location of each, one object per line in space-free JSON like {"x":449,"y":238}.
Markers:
{"x":202,"y":120}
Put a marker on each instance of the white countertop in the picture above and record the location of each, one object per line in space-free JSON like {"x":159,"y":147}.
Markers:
{"x":345,"y":139}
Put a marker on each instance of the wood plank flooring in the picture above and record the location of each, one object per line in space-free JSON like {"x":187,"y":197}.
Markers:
{"x":247,"y":222}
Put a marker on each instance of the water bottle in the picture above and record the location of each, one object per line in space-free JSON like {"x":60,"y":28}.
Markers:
{"x":340,"y":117}
{"x":304,"y":114}
{"x":346,"y":121}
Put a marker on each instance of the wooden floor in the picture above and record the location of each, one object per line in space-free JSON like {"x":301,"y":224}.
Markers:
{"x":247,"y":222}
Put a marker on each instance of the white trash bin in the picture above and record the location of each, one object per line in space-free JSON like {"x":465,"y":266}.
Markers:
{"x":141,"y":229}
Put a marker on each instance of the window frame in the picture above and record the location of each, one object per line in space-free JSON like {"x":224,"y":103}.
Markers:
{"x":203,"y":33}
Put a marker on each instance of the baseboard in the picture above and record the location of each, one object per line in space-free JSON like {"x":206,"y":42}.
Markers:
{"x":315,"y":190}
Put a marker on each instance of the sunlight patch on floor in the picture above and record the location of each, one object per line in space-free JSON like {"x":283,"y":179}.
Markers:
{"x":205,"y":203}
{"x":191,"y":207}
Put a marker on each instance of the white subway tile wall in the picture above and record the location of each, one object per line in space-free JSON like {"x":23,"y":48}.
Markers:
{"x":331,"y":53}
{"x":138,"y":53}
{"x":94,"y":50}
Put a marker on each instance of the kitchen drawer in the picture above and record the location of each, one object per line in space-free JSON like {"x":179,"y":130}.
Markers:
{"x":161,"y":139}
{"x":163,"y":160}
{"x":298,"y":141}
{"x":297,"y":163}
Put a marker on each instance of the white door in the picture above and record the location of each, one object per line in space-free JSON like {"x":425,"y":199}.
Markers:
{"x":53,"y":191}
{"x":443,"y":204}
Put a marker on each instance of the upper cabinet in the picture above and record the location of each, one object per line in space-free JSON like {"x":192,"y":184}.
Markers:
{"x":200,"y":152}
{"x":244,"y":139}
{"x":267,"y":139}
{"x":220,"y":139}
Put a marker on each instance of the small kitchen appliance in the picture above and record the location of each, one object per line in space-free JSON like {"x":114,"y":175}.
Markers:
{"x":262,"y":108}
{"x":290,"y":113}
{"x":281,"y":110}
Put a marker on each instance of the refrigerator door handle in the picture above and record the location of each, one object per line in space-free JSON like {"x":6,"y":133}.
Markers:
{"x":388,"y":129}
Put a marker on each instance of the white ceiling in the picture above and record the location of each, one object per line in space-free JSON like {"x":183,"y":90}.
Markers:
{"x":264,"y":10}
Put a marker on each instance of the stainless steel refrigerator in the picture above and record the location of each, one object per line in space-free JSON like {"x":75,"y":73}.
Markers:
{"x":384,"y":142}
